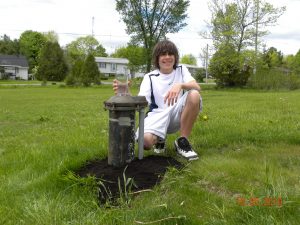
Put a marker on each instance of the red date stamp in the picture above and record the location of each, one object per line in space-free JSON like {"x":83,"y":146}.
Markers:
{"x":255,"y":201}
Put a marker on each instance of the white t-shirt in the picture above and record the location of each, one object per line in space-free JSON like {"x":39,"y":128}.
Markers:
{"x":161,"y":84}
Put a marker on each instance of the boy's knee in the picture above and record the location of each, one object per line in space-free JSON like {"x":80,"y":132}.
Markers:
{"x":149,"y":141}
{"x":194,"y":97}
{"x":147,"y":144}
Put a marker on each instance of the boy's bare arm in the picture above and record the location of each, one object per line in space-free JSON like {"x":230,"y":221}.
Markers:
{"x":173,"y":94}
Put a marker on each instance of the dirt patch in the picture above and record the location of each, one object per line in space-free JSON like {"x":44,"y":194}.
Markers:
{"x":146,"y":173}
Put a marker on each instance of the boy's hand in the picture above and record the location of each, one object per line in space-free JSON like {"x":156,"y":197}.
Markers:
{"x":172,"y":95}
{"x":116,"y":83}
{"x":115,"y":86}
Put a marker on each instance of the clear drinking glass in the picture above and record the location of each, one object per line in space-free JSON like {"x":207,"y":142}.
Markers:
{"x":122,"y":84}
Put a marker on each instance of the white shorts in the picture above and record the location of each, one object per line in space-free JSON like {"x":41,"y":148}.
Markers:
{"x":165,"y":121}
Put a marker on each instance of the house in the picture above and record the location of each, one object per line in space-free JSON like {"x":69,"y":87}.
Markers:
{"x":112,"y":66}
{"x":13,"y":67}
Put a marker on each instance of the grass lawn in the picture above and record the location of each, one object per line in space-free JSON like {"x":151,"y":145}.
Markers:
{"x":11,"y":82}
{"x":248,"y":172}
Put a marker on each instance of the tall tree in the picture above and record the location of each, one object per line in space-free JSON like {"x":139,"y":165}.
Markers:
{"x":241,"y":22}
{"x":52,"y":65}
{"x":90,"y":72}
{"x":51,"y":36}
{"x":8,"y":46}
{"x":81,"y":47}
{"x":31,"y":43}
{"x":148,"y":22}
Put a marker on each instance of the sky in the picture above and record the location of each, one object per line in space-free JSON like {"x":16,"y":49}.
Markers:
{"x":72,"y":19}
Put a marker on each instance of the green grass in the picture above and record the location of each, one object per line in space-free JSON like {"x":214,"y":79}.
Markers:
{"x":249,"y":148}
{"x":19,"y":82}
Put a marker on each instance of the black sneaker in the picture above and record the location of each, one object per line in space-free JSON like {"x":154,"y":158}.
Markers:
{"x":184,"y":148}
{"x":159,"y":147}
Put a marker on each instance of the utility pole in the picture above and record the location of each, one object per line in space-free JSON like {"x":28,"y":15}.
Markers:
{"x":93,"y":26}
{"x":206,"y":64}
{"x":256,"y":34}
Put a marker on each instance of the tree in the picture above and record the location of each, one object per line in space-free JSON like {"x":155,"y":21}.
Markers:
{"x":224,"y":25}
{"x":241,"y":22}
{"x":296,"y":63}
{"x":272,"y":58}
{"x":136,"y":56}
{"x":31,"y":43}
{"x":149,"y":21}
{"x":51,"y":36}
{"x":292,"y":63}
{"x":81,"y":47}
{"x":288,"y":61}
{"x":90,"y":72}
{"x":189,"y":59}
{"x":51,"y":64}
{"x":8,"y":46}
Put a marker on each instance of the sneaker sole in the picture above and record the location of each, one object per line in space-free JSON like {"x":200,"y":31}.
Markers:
{"x":189,"y":159}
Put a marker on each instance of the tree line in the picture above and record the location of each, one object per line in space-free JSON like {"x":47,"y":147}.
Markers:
{"x":236,"y":28}
{"x":74,"y":63}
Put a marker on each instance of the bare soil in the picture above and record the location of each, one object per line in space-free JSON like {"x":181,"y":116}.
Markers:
{"x":146,"y":173}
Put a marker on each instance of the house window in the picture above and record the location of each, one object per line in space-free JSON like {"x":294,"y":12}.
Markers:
{"x":102,"y":65}
{"x":113,"y":67}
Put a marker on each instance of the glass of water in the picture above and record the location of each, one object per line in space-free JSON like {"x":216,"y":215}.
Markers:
{"x":122,"y":84}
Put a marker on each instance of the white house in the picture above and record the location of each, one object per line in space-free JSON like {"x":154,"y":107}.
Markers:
{"x":112,"y":66}
{"x":14,"y":66}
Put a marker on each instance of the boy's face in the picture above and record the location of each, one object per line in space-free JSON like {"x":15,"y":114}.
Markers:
{"x":166,"y":63}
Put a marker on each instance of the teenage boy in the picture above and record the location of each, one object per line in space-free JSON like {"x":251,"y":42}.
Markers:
{"x":174,"y":101}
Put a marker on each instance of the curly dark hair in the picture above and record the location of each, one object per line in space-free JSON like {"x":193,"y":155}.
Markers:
{"x":162,"y":48}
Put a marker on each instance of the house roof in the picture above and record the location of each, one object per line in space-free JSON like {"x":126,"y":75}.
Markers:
{"x":112,"y":60}
{"x":13,"y":60}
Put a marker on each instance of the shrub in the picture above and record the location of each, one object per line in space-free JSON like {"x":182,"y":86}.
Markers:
{"x":4,"y":76}
{"x":70,"y":80}
{"x":74,"y":77}
{"x":227,"y":68}
{"x":104,"y":77}
{"x":200,"y":75}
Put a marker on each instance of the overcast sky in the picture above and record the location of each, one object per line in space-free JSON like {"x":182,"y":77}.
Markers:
{"x":71,"y":19}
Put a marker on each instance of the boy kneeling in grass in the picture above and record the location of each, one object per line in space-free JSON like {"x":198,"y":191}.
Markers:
{"x":174,"y":101}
